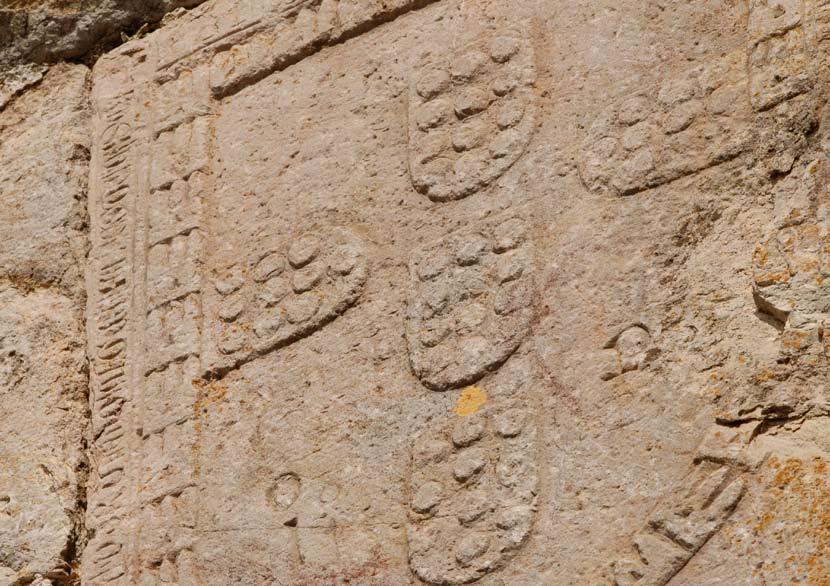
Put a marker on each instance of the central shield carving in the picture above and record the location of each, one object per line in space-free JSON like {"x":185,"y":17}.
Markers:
{"x":471,"y":303}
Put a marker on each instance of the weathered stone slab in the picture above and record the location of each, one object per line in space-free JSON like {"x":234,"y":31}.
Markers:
{"x":43,"y":379}
{"x":451,"y":292}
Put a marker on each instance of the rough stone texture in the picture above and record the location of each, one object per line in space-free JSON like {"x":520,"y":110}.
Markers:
{"x":51,"y":30}
{"x":424,"y":292}
{"x":44,"y":149}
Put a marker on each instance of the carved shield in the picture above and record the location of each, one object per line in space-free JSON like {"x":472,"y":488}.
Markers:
{"x":473,"y":492}
{"x":471,"y":115}
{"x":283,"y":294}
{"x":677,"y":128}
{"x":471,"y":303}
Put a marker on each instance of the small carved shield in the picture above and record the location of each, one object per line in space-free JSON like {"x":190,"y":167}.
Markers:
{"x":283,"y":294}
{"x":471,"y":115}
{"x":471,"y":303}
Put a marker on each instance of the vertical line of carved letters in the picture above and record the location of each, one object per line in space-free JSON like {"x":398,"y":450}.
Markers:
{"x":110,"y":490}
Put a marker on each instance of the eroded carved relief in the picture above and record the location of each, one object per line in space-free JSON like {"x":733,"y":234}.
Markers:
{"x":471,"y":115}
{"x":310,"y":507}
{"x":680,"y":127}
{"x":154,"y":181}
{"x":705,"y":116}
{"x":163,"y":183}
{"x":172,"y":307}
{"x":111,"y":204}
{"x":471,"y":302}
{"x":167,"y":527}
{"x":283,"y":293}
{"x":779,"y":66}
{"x":681,"y":524}
{"x":630,"y":350}
{"x":246,"y":41}
{"x":474,"y":478}
{"x":790,"y":270}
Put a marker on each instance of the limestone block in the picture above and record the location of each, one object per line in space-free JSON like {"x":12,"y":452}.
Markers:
{"x":44,"y":143}
{"x":403,"y":292}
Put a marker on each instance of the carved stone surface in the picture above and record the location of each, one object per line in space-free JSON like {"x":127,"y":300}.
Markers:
{"x":790,"y":266}
{"x":471,"y":300}
{"x":475,"y":480}
{"x":679,"y":127}
{"x":401,"y":292}
{"x":282,"y":294}
{"x":679,"y":526}
{"x":471,"y":114}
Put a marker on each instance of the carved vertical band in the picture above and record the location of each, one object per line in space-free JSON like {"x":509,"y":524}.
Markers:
{"x":111,"y":205}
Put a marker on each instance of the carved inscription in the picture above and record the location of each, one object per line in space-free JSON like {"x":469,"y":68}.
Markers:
{"x":310,"y":507}
{"x":166,"y":526}
{"x":474,"y":477}
{"x":630,"y":350}
{"x":162,"y":319}
{"x":779,"y":67}
{"x":703,"y":117}
{"x":471,"y":115}
{"x":283,"y":293}
{"x":247,"y":41}
{"x":474,"y":481}
{"x":470,"y":305}
{"x":152,"y":180}
{"x":111,"y":395}
{"x":178,"y":185}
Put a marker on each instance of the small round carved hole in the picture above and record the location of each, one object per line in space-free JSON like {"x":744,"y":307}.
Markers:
{"x":285,"y":491}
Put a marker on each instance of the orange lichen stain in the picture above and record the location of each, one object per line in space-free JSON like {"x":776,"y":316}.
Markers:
{"x":795,"y":340}
{"x":771,"y":278}
{"x":796,"y":514}
{"x":808,"y":266}
{"x":763,"y":375}
{"x":471,"y":400}
{"x":208,"y":394}
{"x":761,"y":255}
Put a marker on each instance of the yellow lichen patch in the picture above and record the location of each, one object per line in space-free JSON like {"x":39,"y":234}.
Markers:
{"x":761,"y":255}
{"x":763,"y":375}
{"x":471,"y":400}
{"x":714,"y":392}
{"x":808,"y":266}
